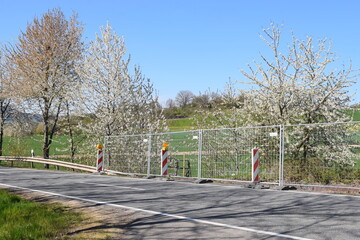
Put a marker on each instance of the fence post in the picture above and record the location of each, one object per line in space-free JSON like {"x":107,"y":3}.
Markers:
{"x":149,"y":156}
{"x":32,"y":155}
{"x":281,"y":159}
{"x":106,"y":154}
{"x":199,"y":152}
{"x":255,"y":165}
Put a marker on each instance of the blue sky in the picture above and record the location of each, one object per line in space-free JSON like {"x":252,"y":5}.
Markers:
{"x":198,"y":45}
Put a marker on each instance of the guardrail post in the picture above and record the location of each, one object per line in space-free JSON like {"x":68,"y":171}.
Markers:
{"x":32,"y":155}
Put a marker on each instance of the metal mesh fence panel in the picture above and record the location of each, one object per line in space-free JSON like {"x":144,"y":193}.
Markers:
{"x":219,"y":153}
{"x":297,"y":154}
{"x":322,"y":154}
{"x":226,"y":153}
{"x":141,"y":154}
{"x":127,"y":154}
{"x":183,"y":153}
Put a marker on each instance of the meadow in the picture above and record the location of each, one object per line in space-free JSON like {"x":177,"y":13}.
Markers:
{"x":23,"y":146}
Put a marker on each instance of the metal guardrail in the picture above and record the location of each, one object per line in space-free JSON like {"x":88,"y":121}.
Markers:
{"x":50,"y":162}
{"x":61,"y":164}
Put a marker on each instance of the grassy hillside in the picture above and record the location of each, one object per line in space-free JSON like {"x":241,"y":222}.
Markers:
{"x":355,"y":115}
{"x":185,"y":124}
{"x":180,"y":124}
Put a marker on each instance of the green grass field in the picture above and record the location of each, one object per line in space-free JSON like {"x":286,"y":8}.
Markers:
{"x":180,"y":124}
{"x":354,"y":114}
{"x":22,"y":219}
{"x":23,"y":146}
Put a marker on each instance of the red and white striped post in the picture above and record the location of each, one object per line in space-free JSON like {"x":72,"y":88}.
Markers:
{"x":99,"y":162}
{"x":255,"y":165}
{"x":164,"y":159}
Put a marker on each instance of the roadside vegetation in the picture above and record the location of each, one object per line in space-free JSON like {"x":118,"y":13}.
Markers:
{"x":14,"y":146}
{"x":188,"y":121}
{"x":23,"y":219}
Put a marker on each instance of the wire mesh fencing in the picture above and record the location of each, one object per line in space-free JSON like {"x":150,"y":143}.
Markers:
{"x":140,"y":154}
{"x":226,"y":153}
{"x":215,"y":153}
{"x":326,"y":154}
{"x":295,"y":154}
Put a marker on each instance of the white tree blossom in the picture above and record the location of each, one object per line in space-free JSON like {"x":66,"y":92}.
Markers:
{"x":42,"y":67}
{"x":300,"y":86}
{"x":297,"y":87}
{"x":118,"y":101}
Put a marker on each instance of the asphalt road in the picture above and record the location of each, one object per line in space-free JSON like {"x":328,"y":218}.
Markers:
{"x":184,"y":210}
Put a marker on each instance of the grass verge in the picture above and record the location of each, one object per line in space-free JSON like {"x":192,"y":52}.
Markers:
{"x":97,"y":222}
{"x":23,"y":219}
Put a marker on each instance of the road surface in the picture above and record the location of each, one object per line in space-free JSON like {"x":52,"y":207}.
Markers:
{"x":184,"y":210}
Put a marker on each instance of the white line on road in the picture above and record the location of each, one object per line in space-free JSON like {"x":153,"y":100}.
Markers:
{"x":4,"y":173}
{"x":162,"y":214}
{"x":114,"y":186}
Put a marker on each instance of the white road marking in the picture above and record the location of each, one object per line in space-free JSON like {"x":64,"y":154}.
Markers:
{"x":163,"y":214}
{"x":4,"y":173}
{"x":114,"y":186}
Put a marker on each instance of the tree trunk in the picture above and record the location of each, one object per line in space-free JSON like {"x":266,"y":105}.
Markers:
{"x":71,"y":135}
{"x":46,"y":145}
{"x":49,"y":128}
{"x":46,"y":142}
{"x":3,"y":117}
{"x":1,"y":136}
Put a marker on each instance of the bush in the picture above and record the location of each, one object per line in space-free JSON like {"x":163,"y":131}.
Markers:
{"x":314,"y":171}
{"x":39,"y":129}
